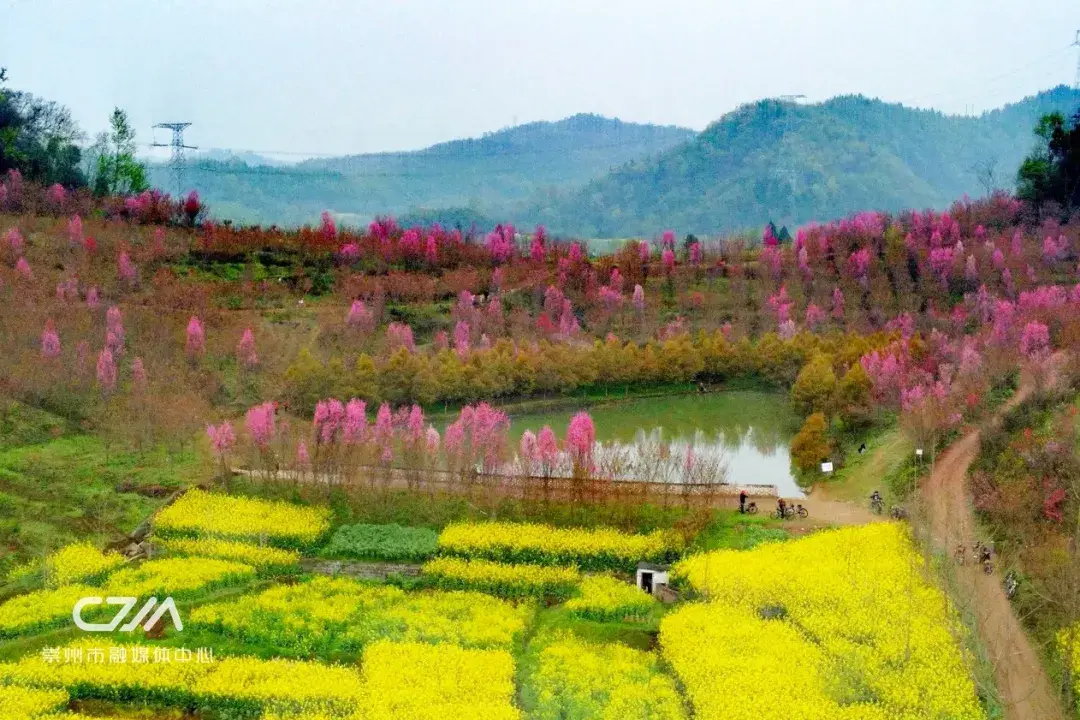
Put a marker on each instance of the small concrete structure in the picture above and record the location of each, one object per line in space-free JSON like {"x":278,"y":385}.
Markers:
{"x":651,"y":578}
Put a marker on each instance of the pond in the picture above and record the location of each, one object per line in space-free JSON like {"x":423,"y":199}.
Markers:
{"x":749,"y":432}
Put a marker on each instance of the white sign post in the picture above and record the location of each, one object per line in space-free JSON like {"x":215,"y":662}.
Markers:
{"x":826,"y":467}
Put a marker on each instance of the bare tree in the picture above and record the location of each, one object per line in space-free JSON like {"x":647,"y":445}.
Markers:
{"x":986,"y":173}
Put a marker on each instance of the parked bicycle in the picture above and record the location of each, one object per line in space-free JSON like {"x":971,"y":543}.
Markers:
{"x":1011,"y":583}
{"x":790,"y":511}
{"x":751,"y":508}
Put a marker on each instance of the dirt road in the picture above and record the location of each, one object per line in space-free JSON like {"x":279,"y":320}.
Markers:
{"x":1022,"y":683}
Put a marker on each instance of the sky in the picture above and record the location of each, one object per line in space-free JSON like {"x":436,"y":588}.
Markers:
{"x":312,"y":77}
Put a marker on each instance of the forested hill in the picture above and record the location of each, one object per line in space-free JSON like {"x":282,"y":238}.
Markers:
{"x":487,"y":174}
{"x":796,"y":163}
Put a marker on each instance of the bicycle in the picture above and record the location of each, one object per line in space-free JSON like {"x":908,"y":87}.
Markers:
{"x":1011,"y":583}
{"x":751,"y":508}
{"x":898,"y":513}
{"x":877,"y":505}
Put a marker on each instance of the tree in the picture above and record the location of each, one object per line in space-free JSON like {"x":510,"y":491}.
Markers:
{"x":1052,"y":172}
{"x":40,"y":139}
{"x":811,"y":444}
{"x":815,"y":387}
{"x":115,"y":169}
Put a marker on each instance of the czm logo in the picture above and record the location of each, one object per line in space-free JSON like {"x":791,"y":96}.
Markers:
{"x":168,"y":606}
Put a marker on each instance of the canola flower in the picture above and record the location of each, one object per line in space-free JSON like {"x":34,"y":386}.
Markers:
{"x":40,"y":609}
{"x":202,"y":513}
{"x":417,"y":681}
{"x":18,"y":703}
{"x":176,"y":576}
{"x":576,"y":679}
{"x":590,"y":549}
{"x":79,"y":563}
{"x":237,"y":685}
{"x":259,"y":557}
{"x":852,"y":631}
{"x":512,"y":581}
{"x":603,"y":598}
{"x":326,"y":615}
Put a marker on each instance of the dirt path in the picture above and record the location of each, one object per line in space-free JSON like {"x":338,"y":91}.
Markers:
{"x":1022,"y":684}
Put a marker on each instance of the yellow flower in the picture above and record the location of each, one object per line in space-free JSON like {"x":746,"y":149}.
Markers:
{"x":40,"y":609}
{"x":254,"y":555}
{"x":502,"y":579}
{"x":607,"y":682}
{"x":843,"y":621}
{"x":416,"y":681}
{"x":81,"y":562}
{"x":602,"y":597}
{"x":175,"y":576}
{"x":198,"y":512}
{"x":17,"y":703}
{"x":590,"y":549}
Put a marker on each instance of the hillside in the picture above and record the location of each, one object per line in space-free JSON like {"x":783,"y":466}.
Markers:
{"x":485,"y":174}
{"x":796,"y":163}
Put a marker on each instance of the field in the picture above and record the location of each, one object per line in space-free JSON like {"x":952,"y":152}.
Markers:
{"x":582,"y":643}
{"x":394,"y":472}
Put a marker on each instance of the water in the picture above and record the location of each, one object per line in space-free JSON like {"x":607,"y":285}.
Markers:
{"x":748,"y":432}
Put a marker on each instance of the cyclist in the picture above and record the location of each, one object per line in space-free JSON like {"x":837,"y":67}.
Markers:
{"x":781,"y":508}
{"x":876,"y":501}
{"x":742,"y":501}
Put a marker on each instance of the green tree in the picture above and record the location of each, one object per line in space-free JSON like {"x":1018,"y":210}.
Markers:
{"x":853,"y":397}
{"x":115,"y":169}
{"x":1052,"y":172}
{"x":39,"y":138}
{"x":815,"y":387}
{"x":307,"y":381}
{"x":811,"y":444}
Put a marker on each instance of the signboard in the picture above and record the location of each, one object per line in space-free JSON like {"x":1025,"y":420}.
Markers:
{"x":918,"y":452}
{"x":826,"y":467}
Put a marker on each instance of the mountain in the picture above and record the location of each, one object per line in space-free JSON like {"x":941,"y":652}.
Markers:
{"x":795,"y":163}
{"x":476,"y":177}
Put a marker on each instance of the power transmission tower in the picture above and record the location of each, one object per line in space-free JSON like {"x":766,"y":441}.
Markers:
{"x":177,"y":162}
{"x":1076,"y":81}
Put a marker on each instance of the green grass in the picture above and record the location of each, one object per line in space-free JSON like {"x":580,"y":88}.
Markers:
{"x":886,"y":453}
{"x":67,"y":489}
{"x":388,"y":543}
{"x":731,"y":531}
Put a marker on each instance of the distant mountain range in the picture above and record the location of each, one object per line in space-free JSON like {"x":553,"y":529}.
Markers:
{"x":485,"y":176}
{"x":592,"y":176}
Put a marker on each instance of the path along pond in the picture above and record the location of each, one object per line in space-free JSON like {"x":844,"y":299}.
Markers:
{"x":747,"y":432}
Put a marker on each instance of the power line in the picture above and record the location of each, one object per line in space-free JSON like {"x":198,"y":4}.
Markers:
{"x":177,"y":161}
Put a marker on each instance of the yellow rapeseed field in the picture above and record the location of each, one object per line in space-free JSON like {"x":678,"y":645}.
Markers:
{"x":18,"y":703}
{"x":81,"y":562}
{"x":259,"y":557}
{"x":602,"y":597}
{"x":512,"y":581}
{"x":576,"y":679}
{"x":176,"y":576}
{"x":202,"y":513}
{"x":417,"y":681}
{"x":40,"y":609}
{"x":590,"y":549}
{"x":840,"y":624}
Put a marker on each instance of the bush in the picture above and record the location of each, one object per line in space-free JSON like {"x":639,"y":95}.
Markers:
{"x":390,"y":543}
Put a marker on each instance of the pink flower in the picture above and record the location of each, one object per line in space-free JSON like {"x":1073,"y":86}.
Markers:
{"x":56,"y":195}
{"x":415,"y":423}
{"x":328,"y":230}
{"x":384,"y":426}
{"x":303,"y":458}
{"x":538,"y":248}
{"x":329,"y":419}
{"x":837,"y":304}
{"x":668,"y":259}
{"x":114,"y":327}
{"x":125,"y":269}
{"x":138,"y":374}
{"x":355,"y":422}
{"x":106,"y":371}
{"x":1035,"y":341}
{"x":431,"y":250}
{"x":547,"y":449}
{"x":15,"y":241}
{"x":461,"y":339}
{"x":349,"y":252}
{"x":75,"y":231}
{"x":639,"y":298}
{"x":814,"y":315}
{"x":360,"y":317}
{"x":695,"y":253}
{"x":1017,"y":246}
{"x":431,"y":442}
{"x":441,"y":340}
{"x":260,"y":424}
{"x":576,"y":256}
{"x":222,"y":438}
{"x":580,"y":439}
{"x":92,"y":298}
{"x":643,"y":252}
{"x":23,"y":268}
{"x":497,"y":278}
{"x":196,"y":340}
{"x":529,"y":451}
{"x":245,"y":349}
{"x":400,"y":335}
{"x":667,"y":240}
{"x":50,"y":341}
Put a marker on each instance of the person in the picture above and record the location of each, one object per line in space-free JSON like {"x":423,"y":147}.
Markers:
{"x":782,"y":506}
{"x":875,"y":497}
{"x":876,"y":503}
{"x":862,"y":448}
{"x":984,"y":553}
{"x":742,"y":501}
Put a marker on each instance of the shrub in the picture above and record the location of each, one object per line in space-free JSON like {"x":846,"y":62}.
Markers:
{"x":603,"y":598}
{"x":511,"y":581}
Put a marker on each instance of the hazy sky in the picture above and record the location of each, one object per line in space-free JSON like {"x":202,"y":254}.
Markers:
{"x":341,"y":76}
